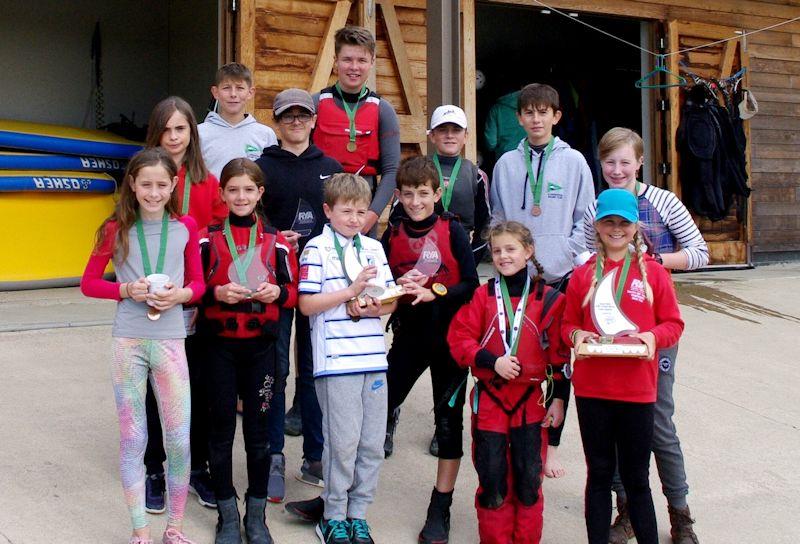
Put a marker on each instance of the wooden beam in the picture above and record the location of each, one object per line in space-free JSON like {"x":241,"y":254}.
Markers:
{"x":322,"y":69}
{"x":673,"y":93}
{"x":469,"y":92}
{"x":366,"y":16}
{"x":247,"y":40}
{"x":728,"y":56}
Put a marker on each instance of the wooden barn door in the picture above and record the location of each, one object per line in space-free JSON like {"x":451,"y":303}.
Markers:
{"x":728,"y":239}
{"x":289,"y":43}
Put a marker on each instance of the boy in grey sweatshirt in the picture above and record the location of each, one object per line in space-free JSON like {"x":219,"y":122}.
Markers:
{"x":545,"y":185}
{"x":232,"y":133}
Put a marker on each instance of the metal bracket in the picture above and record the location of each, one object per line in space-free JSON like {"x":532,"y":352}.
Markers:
{"x":662,"y":105}
{"x":234,"y":6}
{"x":665,"y":168}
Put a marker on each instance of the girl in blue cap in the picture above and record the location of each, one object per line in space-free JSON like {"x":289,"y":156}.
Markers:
{"x":615,"y":396}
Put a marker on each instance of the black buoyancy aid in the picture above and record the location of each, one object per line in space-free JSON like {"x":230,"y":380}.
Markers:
{"x":712,"y":163}
{"x":332,"y":132}
{"x":248,"y":318}
{"x":405,"y":251}
{"x":463,"y":203}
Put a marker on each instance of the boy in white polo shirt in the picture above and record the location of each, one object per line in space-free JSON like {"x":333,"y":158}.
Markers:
{"x":349,"y":356}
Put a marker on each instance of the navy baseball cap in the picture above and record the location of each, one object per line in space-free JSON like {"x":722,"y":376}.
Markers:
{"x":617,"y":202}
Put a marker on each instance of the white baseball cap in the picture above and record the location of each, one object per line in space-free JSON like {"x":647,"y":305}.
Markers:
{"x":448,"y":114}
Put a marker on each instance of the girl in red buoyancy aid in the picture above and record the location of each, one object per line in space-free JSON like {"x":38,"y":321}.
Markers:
{"x":251,"y":272}
{"x":510,"y":337}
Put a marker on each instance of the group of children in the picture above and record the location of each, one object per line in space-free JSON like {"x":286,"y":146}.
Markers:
{"x":215,"y":262}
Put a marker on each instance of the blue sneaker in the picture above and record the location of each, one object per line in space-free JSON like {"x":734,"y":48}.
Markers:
{"x":333,"y":531}
{"x":154,"y":488}
{"x":200,"y":485}
{"x":359,"y":532}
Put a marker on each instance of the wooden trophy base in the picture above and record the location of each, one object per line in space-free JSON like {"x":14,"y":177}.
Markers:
{"x":623,"y":346}
{"x":388,"y":296}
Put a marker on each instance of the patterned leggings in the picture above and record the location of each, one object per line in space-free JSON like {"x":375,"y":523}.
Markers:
{"x":131,"y":361}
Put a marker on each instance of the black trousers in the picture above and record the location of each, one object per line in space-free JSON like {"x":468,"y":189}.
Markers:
{"x":554,"y":433}
{"x":607,"y":428}
{"x":154,"y":455}
{"x":408,"y":358}
{"x":240,"y":368}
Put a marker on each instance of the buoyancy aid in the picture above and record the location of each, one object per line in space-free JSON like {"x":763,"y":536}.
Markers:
{"x":532,"y":352}
{"x":406,"y":251}
{"x":332,"y":132}
{"x":248,"y":318}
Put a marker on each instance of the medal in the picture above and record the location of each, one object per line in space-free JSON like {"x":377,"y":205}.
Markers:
{"x":507,"y":313}
{"x":351,"y":147}
{"x":351,"y":115}
{"x":536,"y":180}
{"x":449,"y":183}
{"x":153,"y":314}
{"x":187,"y":193}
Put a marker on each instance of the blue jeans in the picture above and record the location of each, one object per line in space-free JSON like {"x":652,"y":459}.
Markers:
{"x":304,"y":390}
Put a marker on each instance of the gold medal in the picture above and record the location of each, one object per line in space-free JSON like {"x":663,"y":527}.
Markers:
{"x":439,"y":289}
{"x":153,"y":314}
{"x":536,"y":211}
{"x":351,"y":147}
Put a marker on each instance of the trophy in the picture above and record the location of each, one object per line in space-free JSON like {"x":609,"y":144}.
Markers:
{"x":612,"y":324}
{"x":430,"y":259}
{"x":304,"y":220}
{"x":352,"y":267}
{"x":250,"y":270}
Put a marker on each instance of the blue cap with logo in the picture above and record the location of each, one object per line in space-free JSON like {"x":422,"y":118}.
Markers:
{"x":617,"y":202}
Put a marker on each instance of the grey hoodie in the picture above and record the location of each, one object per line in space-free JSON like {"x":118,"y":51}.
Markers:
{"x":568,"y":190}
{"x":220,"y":142}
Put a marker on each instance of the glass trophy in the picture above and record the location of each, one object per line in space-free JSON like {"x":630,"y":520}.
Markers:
{"x":257,"y":271}
{"x":613,"y":325}
{"x":304,"y":219}
{"x":430,"y":259}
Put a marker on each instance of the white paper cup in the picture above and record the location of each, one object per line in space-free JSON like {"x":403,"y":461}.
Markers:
{"x":157,"y":283}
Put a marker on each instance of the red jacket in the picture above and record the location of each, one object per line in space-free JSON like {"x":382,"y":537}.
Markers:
{"x":205,"y":204}
{"x":624,"y":379}
{"x":475,"y":329}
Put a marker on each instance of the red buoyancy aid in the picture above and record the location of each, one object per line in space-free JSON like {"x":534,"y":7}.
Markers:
{"x":332,"y":133}
{"x":405,"y":252}
{"x":533,"y":352}
{"x":249,"y":318}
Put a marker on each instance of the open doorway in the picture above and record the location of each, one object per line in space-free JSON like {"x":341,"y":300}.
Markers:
{"x":593,"y":74}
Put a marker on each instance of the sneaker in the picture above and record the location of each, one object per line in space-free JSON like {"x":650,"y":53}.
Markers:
{"x":334,"y":531}
{"x":276,"y":484}
{"x":154,"y":488}
{"x":293,"y":422}
{"x":359,"y":532}
{"x":310,"y":510}
{"x":174,"y":536}
{"x":200,"y":485}
{"x":311,"y":473}
{"x":391,"y":427}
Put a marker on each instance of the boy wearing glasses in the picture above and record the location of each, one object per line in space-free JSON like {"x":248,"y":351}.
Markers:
{"x":295,"y":172}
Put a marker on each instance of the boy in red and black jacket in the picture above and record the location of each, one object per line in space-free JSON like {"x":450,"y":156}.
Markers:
{"x":432,"y":258}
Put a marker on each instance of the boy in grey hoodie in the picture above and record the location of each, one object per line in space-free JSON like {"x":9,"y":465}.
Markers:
{"x":547,"y":186}
{"x":232,"y":133}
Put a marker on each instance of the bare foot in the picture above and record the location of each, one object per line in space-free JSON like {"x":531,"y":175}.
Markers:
{"x":552,"y":466}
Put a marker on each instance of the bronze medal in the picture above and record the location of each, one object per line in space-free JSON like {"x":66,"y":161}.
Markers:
{"x":536,"y":211}
{"x":153,"y":314}
{"x":351,"y":147}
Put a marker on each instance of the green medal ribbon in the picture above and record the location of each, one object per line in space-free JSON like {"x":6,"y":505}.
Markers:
{"x":511,"y":312}
{"x":241,"y":264}
{"x":351,"y":113}
{"x":340,"y":253}
{"x":187,"y":192}
{"x":447,"y":195}
{"x":598,"y":274}
{"x":162,"y":248}
{"x":537,"y":179}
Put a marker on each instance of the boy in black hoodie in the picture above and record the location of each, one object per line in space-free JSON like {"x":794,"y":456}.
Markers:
{"x":295,"y":172}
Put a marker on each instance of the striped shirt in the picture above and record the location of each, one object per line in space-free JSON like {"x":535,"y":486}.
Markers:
{"x":339,"y":344}
{"x":665,"y":222}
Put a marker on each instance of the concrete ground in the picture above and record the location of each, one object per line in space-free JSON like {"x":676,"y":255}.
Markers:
{"x":737,"y":414}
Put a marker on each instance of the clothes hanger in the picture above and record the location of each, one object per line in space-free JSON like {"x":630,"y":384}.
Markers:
{"x":661,"y":68}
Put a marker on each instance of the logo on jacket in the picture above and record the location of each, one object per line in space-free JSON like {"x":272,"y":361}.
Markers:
{"x":553,"y":191}
{"x":251,"y":149}
{"x":636,"y":290}
{"x":664,"y":364}
{"x":377,"y":384}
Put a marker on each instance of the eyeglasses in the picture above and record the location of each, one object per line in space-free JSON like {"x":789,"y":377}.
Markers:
{"x":289,"y":119}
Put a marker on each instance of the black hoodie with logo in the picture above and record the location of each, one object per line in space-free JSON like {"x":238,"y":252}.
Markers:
{"x":288,"y":178}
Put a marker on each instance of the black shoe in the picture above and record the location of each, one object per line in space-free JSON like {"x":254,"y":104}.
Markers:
{"x":310,"y":510}
{"x":437,"y":524}
{"x":255,"y":528}
{"x":333,"y":531}
{"x":228,"y":528}
{"x":391,"y":427}
{"x":311,"y":473}
{"x":359,"y":532}
{"x":200,"y":485}
{"x":433,"y":449}
{"x":293,"y":422}
{"x":154,"y":487}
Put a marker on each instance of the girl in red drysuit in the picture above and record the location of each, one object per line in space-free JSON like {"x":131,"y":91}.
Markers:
{"x":509,"y":335}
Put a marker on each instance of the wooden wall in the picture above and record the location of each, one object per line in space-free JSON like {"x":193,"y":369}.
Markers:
{"x":775,"y":81}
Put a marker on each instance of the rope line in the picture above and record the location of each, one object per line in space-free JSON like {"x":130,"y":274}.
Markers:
{"x":644,"y":50}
